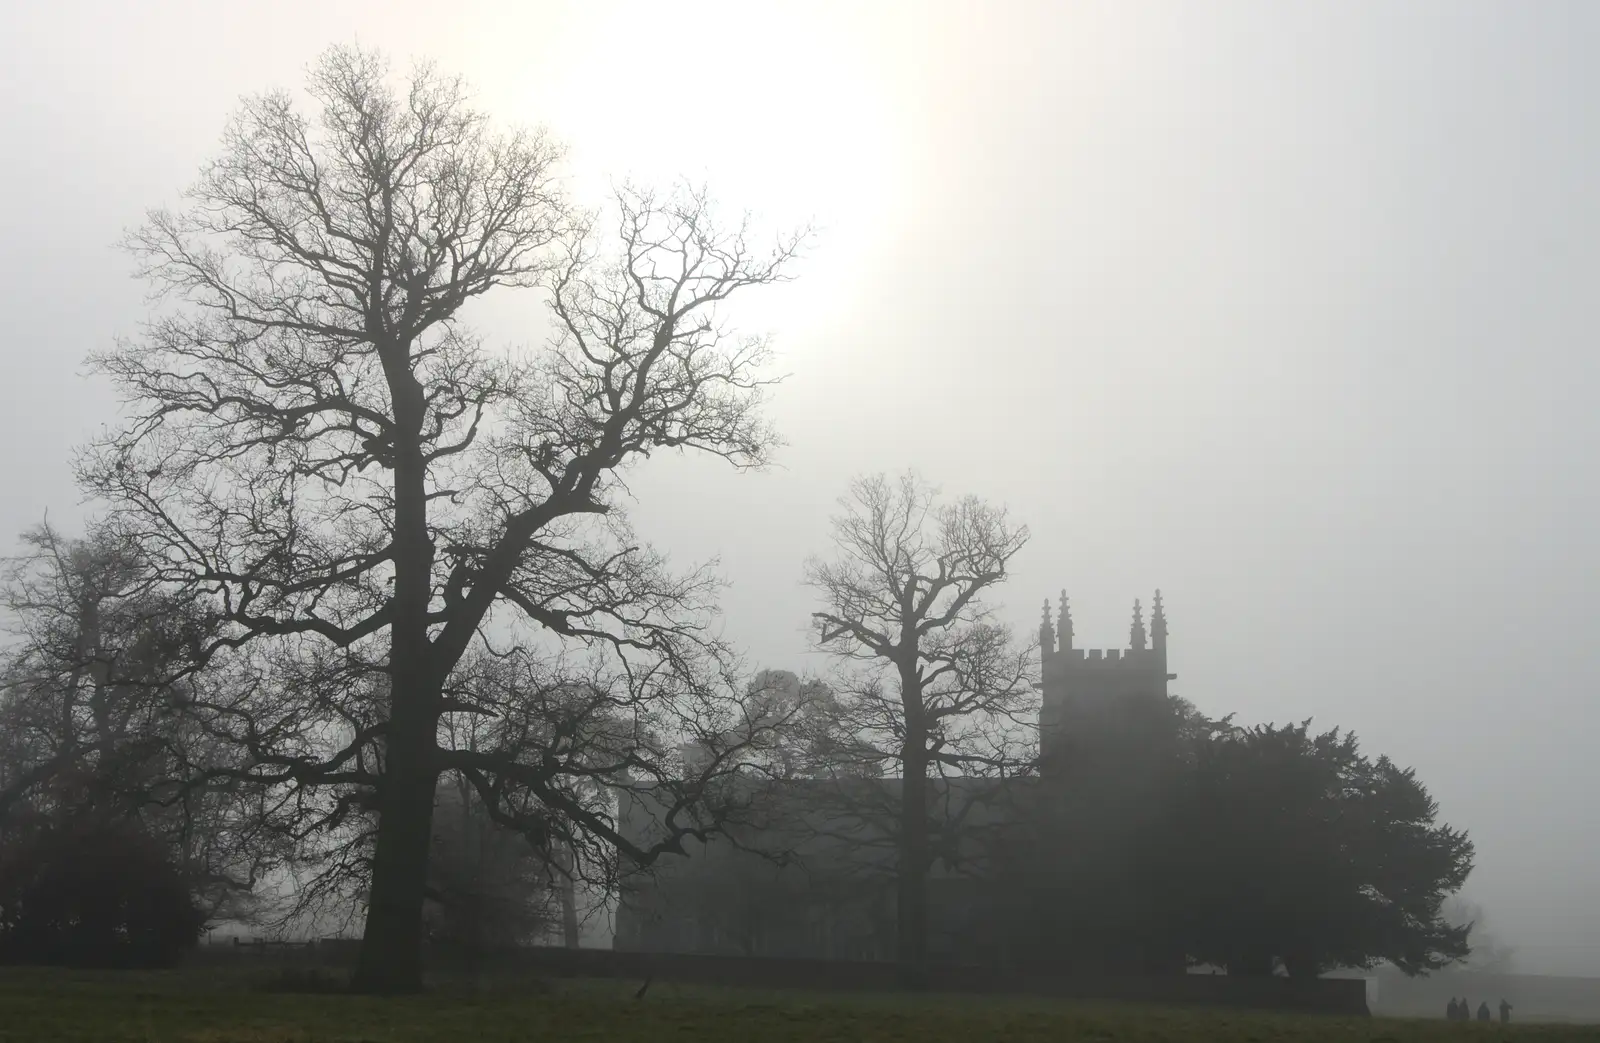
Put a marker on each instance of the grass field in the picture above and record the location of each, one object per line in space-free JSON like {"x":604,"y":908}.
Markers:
{"x":212,"y":1007}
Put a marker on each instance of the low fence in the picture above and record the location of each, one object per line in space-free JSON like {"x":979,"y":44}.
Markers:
{"x":317,"y":952}
{"x":1348,"y":997}
{"x":1326,"y":995}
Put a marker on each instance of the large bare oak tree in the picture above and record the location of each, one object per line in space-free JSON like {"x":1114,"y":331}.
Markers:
{"x":362,"y":493}
{"x":933,"y":687}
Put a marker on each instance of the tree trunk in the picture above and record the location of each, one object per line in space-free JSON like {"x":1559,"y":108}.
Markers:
{"x":390,"y":960}
{"x":1250,"y":965}
{"x":911,"y":927}
{"x":1301,"y":966}
{"x":391,"y":946}
{"x":569,"y":898}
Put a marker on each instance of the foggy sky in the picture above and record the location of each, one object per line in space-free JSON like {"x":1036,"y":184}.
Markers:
{"x":1287,"y":309}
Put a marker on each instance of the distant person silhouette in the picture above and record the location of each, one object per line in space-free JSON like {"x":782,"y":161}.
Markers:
{"x":1505,"y":1013}
{"x":1452,"y":1012}
{"x":1483,"y":1012}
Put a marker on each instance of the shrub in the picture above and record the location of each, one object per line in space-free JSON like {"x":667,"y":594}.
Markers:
{"x":93,"y":894}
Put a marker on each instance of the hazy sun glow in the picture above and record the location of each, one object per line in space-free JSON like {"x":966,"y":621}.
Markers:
{"x":770,"y":106}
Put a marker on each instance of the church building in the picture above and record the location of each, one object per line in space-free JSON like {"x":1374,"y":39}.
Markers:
{"x":1099,"y":709}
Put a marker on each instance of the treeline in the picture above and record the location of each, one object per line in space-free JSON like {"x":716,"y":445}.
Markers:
{"x":1183,"y":842}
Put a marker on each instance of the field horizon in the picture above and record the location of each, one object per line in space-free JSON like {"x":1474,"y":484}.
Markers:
{"x":211,"y":1006}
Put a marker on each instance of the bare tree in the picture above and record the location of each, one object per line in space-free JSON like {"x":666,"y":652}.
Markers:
{"x":932,"y":684}
{"x":76,"y":689}
{"x":1489,"y":954}
{"x":91,"y":697}
{"x":490,"y":887}
{"x":357,"y":487}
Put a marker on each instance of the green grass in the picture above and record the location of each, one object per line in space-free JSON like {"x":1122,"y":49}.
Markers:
{"x":212,"y":1007}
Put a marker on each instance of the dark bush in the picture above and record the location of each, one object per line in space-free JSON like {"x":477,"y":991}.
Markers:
{"x":93,"y":894}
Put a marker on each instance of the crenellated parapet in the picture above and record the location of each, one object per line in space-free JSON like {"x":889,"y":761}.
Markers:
{"x":1115,"y":657}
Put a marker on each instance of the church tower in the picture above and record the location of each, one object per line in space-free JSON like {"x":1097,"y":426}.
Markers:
{"x":1099,"y":705}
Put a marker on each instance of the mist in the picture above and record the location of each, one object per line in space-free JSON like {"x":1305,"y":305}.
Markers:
{"x":1279,"y":308}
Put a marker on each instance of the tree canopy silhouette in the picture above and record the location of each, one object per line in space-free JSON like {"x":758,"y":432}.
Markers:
{"x":93,"y":891}
{"x":91,"y":698}
{"x":1295,"y":847}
